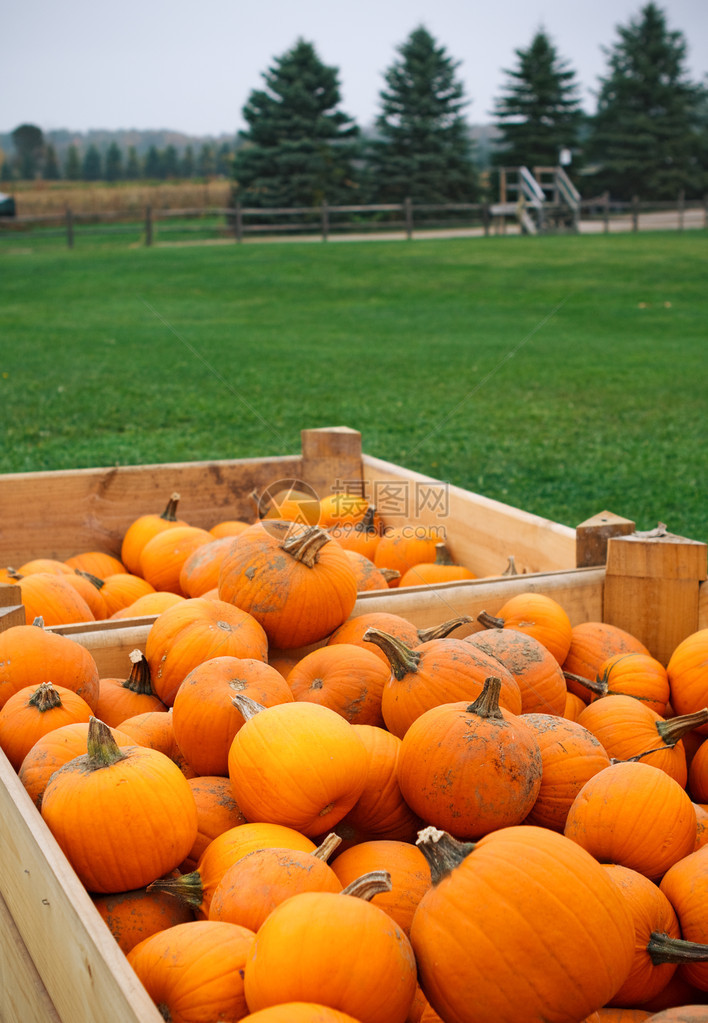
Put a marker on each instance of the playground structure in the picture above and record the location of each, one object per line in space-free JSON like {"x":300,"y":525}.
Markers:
{"x":543,"y":201}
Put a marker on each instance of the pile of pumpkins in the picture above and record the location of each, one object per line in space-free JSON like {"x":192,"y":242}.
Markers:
{"x":164,"y":559}
{"x":397,"y":826}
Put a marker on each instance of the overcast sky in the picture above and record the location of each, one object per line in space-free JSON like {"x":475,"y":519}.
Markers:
{"x":187,"y":66}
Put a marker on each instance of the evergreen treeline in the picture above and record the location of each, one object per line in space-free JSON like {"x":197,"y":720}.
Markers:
{"x":647,"y":137}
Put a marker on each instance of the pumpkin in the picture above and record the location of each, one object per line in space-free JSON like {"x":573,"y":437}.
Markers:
{"x":574,"y":706}
{"x":89,"y":587}
{"x":435,"y":672}
{"x":123,"y":589}
{"x":51,"y":565}
{"x":685,"y":884}
{"x":300,"y":1012}
{"x":163,"y":557}
{"x":155,"y":729}
{"x":143,"y":529}
{"x":344,"y":677}
{"x":337,"y":948}
{"x":698,"y":774}
{"x":96,"y":563}
{"x":217,"y":812}
{"x":361,"y":537}
{"x":289,"y":502}
{"x":204,"y":716}
{"x":122,"y":817}
{"x":149,"y":605}
{"x":537,"y":672}
{"x":682,"y":1014}
{"x":368,"y":576}
{"x":591,"y":645}
{"x":352,"y":631}
{"x":347,"y":510}
{"x":537,"y":615}
{"x":687,"y":670}
{"x":30,"y":655}
{"x":55,"y":749}
{"x":442,"y":570}
{"x":193,"y":631}
{"x":295,"y":581}
{"x":33,"y":712}
{"x":121,"y":698}
{"x":47,"y":595}
{"x":296,"y":764}
{"x":570,"y":756}
{"x":495,"y":905}
{"x":253,"y":886}
{"x":402,"y":547}
{"x":637,"y":675}
{"x":194,"y":971}
{"x":471,"y":767}
{"x":615,"y":813}
{"x":200,"y":572}
{"x":133,"y":916}
{"x":229,"y":527}
{"x":403,"y":861}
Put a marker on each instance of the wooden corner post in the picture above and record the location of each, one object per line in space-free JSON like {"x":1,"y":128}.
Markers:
{"x":592,"y":535}
{"x":652,"y":587}
{"x":331,"y":460}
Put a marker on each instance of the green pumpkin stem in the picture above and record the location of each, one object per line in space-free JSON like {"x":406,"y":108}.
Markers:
{"x":102,"y":748}
{"x":306,"y":545}
{"x":188,"y":888}
{"x":402,"y":659}
{"x":368,"y":885}
{"x":444,"y":629}
{"x":93,"y":579}
{"x":664,"y":949}
{"x":442,"y":851}
{"x":170,"y":512}
{"x":45,"y":697}
{"x":487,"y":703}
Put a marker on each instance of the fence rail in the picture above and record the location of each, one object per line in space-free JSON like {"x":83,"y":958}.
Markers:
{"x":324,"y":221}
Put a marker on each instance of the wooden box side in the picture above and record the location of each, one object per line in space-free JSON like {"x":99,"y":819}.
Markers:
{"x":85,"y":975}
{"x":480,"y":533}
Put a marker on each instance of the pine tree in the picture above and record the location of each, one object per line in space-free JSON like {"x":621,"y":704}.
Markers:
{"x":153,"y":163}
{"x":645,"y":136}
{"x":187,"y":168}
{"x":114,"y":163}
{"x":299,"y":146}
{"x":50,"y":171}
{"x":91,"y":167}
{"x":28,"y":141}
{"x":72,"y":164}
{"x":539,"y":114}
{"x":224,"y":160}
{"x":132,"y":165}
{"x":423,"y":149}
{"x":206,"y":163}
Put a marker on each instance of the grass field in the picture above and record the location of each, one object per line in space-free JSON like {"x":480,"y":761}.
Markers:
{"x":564,"y":375}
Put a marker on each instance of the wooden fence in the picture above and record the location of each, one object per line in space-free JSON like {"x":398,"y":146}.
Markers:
{"x":324,"y":222}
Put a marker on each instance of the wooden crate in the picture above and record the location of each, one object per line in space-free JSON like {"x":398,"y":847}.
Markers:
{"x":58,"y":961}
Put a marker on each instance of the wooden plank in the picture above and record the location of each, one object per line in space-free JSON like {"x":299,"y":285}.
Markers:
{"x":652,"y":587}
{"x":480,"y":533}
{"x":331,"y":460}
{"x":85,"y":974}
{"x":592,"y":535}
{"x":59,"y":514}
{"x":24,"y":996}
{"x":703,"y":606}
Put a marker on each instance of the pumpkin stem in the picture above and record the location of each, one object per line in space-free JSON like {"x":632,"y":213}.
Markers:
{"x":599,"y":687}
{"x":39,"y":622}
{"x":402,"y":659}
{"x":98,"y":583}
{"x":511,"y":568}
{"x":306,"y":545}
{"x":675,"y":728}
{"x":664,"y":949}
{"x":261,"y":505}
{"x":487,"y":703}
{"x":139,"y":680}
{"x":13,"y":573}
{"x":170,"y":512}
{"x":188,"y":888}
{"x":442,"y":630}
{"x":442,"y":555}
{"x":365,"y":887}
{"x":489,"y":621}
{"x":390,"y":574}
{"x":248,"y":707}
{"x":102,"y":748}
{"x":442,"y":851}
{"x":635,"y":759}
{"x":366,"y":524}
{"x":45,"y":697}
{"x":327,"y":846}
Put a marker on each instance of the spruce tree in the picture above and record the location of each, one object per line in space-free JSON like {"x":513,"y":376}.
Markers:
{"x":153,"y":163}
{"x":423,"y":148}
{"x":187,"y":165}
{"x":114,"y":163}
{"x":50,"y":170}
{"x":206,"y":164}
{"x":72,"y":164}
{"x":132,"y":165}
{"x":299,"y":146}
{"x":91,"y":168}
{"x":539,"y":113}
{"x":645,"y":136}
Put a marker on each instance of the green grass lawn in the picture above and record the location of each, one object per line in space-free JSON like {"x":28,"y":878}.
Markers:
{"x":564,"y":375}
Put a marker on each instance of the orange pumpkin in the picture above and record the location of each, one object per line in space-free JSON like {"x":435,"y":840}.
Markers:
{"x":634,"y":674}
{"x":229,"y":527}
{"x":30,"y":655}
{"x":200,"y":572}
{"x":51,"y":565}
{"x":615,"y":813}
{"x":155,"y":729}
{"x":122,"y":589}
{"x":143,"y":529}
{"x":442,"y":570}
{"x":344,"y":677}
{"x":537,"y":672}
{"x":89,"y":587}
{"x":217,"y":812}
{"x":121,"y":698}
{"x":685,"y":884}
{"x":194,"y":970}
{"x":164,"y":556}
{"x":49,"y":596}
{"x":133,"y":916}
{"x":297,"y":764}
{"x":537,"y":615}
{"x":368,"y":576}
{"x":360,"y":537}
{"x":402,"y":547}
{"x":300,"y":1012}
{"x":33,"y":712}
{"x":121,"y":817}
{"x":149,"y":605}
{"x":687,"y":673}
{"x":193,"y":631}
{"x":471,"y":767}
{"x":96,"y":563}
{"x":591,"y":645}
{"x":296,"y":581}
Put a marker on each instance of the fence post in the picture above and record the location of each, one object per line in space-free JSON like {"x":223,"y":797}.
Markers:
{"x":705,"y":211}
{"x":408,"y":212}
{"x":681,"y":205}
{"x":69,"y":228}
{"x":148,"y":225}
{"x":486,"y":216}
{"x":238,"y":222}
{"x":635,"y":212}
{"x":606,"y":213}
{"x":325,"y":220}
